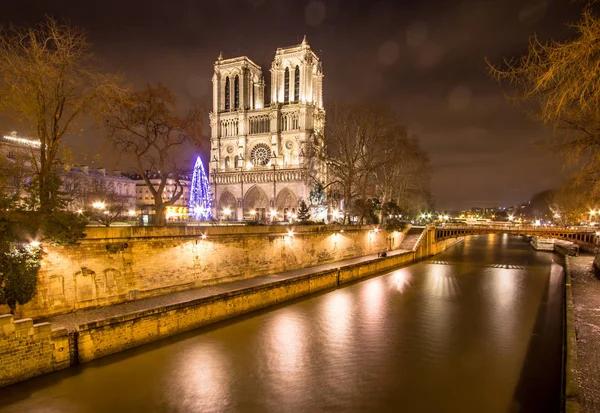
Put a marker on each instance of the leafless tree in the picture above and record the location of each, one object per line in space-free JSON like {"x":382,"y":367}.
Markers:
{"x":47,"y":81}
{"x":145,"y":125}
{"x":370,"y":156}
{"x":562,"y":80}
{"x":113,"y":206}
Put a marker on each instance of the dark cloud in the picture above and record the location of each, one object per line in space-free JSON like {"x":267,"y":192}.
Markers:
{"x":425,"y":58}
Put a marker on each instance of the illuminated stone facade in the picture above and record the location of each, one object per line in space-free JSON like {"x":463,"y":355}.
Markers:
{"x":260,"y":161}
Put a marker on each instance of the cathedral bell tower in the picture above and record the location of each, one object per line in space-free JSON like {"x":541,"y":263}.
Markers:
{"x":258,"y":166}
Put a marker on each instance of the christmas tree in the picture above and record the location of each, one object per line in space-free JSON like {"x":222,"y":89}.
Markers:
{"x":200,"y":197}
{"x":303,"y":213}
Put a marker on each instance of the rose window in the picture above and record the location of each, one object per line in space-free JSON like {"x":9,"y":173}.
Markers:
{"x":260,"y":154}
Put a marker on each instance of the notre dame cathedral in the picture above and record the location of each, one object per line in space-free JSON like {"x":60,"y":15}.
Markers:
{"x":260,"y":167}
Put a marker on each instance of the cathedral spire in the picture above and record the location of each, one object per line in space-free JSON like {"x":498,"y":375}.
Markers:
{"x":220,"y":56}
{"x":304,"y":41}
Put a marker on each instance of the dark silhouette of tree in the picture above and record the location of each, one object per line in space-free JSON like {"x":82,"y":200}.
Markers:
{"x":48,"y":82}
{"x":145,"y":125}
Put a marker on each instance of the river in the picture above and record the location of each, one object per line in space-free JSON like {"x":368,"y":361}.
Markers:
{"x":477,"y":328}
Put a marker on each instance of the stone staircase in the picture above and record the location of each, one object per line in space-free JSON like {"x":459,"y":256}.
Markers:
{"x":411,"y":239}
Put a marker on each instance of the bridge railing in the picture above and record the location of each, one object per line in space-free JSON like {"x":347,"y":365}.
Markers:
{"x":517,"y":227}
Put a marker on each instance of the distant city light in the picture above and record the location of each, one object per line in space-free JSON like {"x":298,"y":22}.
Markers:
{"x":23,"y":141}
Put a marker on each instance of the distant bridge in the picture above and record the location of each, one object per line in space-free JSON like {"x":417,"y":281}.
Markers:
{"x":580,"y":235}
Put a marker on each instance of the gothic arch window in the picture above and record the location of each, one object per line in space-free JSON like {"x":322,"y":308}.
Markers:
{"x":286,"y":85}
{"x":227,"y":162}
{"x":227,"y":93}
{"x":236,"y":88}
{"x":297,"y":84}
{"x":237,"y":161}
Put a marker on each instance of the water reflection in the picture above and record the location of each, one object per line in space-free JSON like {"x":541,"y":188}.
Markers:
{"x":448,"y":337}
{"x":401,"y":280}
{"x":201,"y":381}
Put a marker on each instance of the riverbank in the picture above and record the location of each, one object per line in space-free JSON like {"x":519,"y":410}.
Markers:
{"x":94,"y":333}
{"x":586,"y":301}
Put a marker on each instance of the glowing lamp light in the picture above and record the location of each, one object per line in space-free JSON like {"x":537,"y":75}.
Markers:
{"x":253,"y":212}
{"x":273,"y":213}
{"x":106,"y":212}
{"x":131,"y":212}
{"x":226,"y":211}
{"x":80,"y":211}
{"x":290,"y":233}
{"x":203,"y":236}
{"x":592,"y":212}
{"x":376,"y":230}
{"x":99,"y":205}
{"x":511,"y":217}
{"x":34,"y":244}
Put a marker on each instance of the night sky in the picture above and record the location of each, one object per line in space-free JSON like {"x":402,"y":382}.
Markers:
{"x":423,"y":57}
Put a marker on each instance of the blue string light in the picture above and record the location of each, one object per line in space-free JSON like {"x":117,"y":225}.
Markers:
{"x":200,"y":196}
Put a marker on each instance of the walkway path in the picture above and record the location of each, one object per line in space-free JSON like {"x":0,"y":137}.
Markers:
{"x":586,"y":302}
{"x":72,"y":320}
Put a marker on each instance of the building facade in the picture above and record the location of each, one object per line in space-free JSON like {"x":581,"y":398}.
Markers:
{"x":86,"y":186}
{"x":262,"y":159}
{"x":145,"y":200}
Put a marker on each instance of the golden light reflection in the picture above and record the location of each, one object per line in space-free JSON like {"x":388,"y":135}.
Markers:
{"x":288,"y":346}
{"x":338,"y":309}
{"x":373,"y":297}
{"x":441,"y":282}
{"x":401,"y":280}
{"x":202,"y":380}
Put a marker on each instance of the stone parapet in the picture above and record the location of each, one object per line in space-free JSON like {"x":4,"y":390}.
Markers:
{"x":28,"y":350}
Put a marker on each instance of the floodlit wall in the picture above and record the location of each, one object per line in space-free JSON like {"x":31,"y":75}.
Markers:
{"x":28,"y":350}
{"x":114,"y":265}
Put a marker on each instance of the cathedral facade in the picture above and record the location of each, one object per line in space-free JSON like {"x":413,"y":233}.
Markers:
{"x":262,"y":161}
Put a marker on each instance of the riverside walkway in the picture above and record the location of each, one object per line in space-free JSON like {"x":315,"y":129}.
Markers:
{"x":71,"y":321}
{"x":586,"y":303}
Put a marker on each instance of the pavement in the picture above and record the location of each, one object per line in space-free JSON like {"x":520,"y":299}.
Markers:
{"x":586,"y":303}
{"x":71,"y":321}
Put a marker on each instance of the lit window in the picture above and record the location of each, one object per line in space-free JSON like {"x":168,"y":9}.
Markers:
{"x":297,"y":84}
{"x":236,"y":96}
{"x":286,"y":85}
{"x":227,"y":93}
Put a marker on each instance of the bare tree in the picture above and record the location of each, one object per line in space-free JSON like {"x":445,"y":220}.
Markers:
{"x":369,"y":156}
{"x":107,"y":205}
{"x":145,"y":125}
{"x":561,"y":79}
{"x":48,"y":82}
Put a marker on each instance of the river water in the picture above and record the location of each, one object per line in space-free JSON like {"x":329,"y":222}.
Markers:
{"x":477,"y":328}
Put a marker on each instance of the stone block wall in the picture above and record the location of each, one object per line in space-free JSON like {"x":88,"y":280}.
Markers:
{"x":113,"y":265}
{"x":28,"y":350}
{"x":110,"y":336}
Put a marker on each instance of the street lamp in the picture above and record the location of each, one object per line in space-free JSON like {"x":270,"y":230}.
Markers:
{"x":99,"y":205}
{"x":226,"y":212}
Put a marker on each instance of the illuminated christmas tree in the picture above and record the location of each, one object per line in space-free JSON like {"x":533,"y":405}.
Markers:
{"x":200,"y":198}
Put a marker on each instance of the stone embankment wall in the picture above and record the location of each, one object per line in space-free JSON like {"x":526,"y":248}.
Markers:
{"x":28,"y":350}
{"x":113,"y":265}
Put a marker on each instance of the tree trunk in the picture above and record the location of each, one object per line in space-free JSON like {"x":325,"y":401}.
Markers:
{"x":159,"y":217}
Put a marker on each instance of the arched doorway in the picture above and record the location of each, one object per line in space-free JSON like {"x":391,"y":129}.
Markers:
{"x":257,"y":201}
{"x":227,"y":206}
{"x":286,"y":203}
